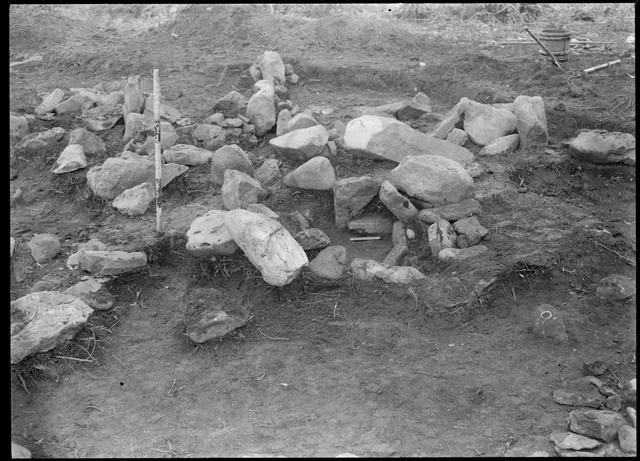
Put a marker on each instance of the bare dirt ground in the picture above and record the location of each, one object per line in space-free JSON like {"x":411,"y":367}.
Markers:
{"x":443,"y":369}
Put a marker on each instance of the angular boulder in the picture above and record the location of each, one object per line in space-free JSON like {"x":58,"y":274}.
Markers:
{"x":208,"y":236}
{"x":91,"y":144}
{"x":297,"y":122}
{"x":351,"y":196}
{"x":471,"y":229}
{"x":383,"y":138}
{"x":435,"y":179}
{"x":72,"y":104}
{"x":239,"y":190}
{"x":261,"y":108}
{"x":419,"y":105}
{"x":268,"y":174}
{"x":137,"y":126}
{"x":231,"y":104}
{"x":302,"y":144}
{"x":531,"y":121}
{"x":43,"y":320}
{"x":484,"y":123}
{"x":600,"y":146}
{"x":208,"y":136}
{"x":229,"y":157}
{"x":133,"y":97}
{"x":268,"y":245}
{"x":72,"y":158}
{"x":102,"y":117}
{"x":397,"y":203}
{"x":457,"y":136}
{"x":312,"y":239}
{"x":315,"y":174}
{"x":599,"y":424}
{"x":186,"y":154}
{"x":111,"y":262}
{"x":136,"y":200}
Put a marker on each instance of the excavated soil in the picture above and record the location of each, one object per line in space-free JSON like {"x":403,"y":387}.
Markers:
{"x":447,"y":368}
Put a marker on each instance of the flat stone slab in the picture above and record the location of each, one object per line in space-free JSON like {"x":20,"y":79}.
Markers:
{"x":371,"y":270}
{"x":599,"y":424}
{"x":42,"y":320}
{"x":111,"y":262}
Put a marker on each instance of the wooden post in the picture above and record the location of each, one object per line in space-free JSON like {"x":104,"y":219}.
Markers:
{"x":158,"y":149}
{"x":555,"y":61}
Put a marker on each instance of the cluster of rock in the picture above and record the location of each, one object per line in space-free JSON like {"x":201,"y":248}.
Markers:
{"x":598,"y":420}
{"x":42,"y":320}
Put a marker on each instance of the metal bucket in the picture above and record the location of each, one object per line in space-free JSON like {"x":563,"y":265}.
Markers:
{"x":556,"y":39}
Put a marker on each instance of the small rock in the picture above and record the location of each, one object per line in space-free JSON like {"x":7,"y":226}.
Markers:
{"x":136,"y":200}
{"x":268,"y":174}
{"x":599,"y":424}
{"x":371,"y":224}
{"x":570,"y":441}
{"x":215,"y":119}
{"x":419,"y":105}
{"x":288,"y":69}
{"x":102,"y":117}
{"x":208,"y":136}
{"x":594,"y":368}
{"x":93,"y":293}
{"x":49,"y":102}
{"x":166,"y":112}
{"x":395,"y":256}
{"x":548,"y":324}
{"x":616,"y":287}
{"x":579,"y":393}
{"x":302,"y":144}
{"x":614,"y":402}
{"x":136,"y":127}
{"x":457,"y":136}
{"x":284,"y":117}
{"x":371,"y":270}
{"x":282,"y":92}
{"x":531,"y":121}
{"x":441,"y":235}
{"x":452,"y":213}
{"x":239,"y":190}
{"x":502,"y":145}
{"x":231,"y":104}
{"x":44,"y":247}
{"x":315,"y":174}
{"x":397,"y":203}
{"x":19,"y":452}
{"x":208,"y":236}
{"x":330,"y":263}
{"x":449,"y":255}
{"x":111,"y":262}
{"x":472,"y":230}
{"x":312,"y":239}
{"x":229,"y":157}
{"x":627,"y":438}
{"x":293,"y":79}
{"x":72,"y":158}
{"x":91,"y":144}
{"x":297,"y":122}
{"x":186,"y":154}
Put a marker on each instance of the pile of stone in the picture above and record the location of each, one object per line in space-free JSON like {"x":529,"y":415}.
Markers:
{"x":598,"y":421}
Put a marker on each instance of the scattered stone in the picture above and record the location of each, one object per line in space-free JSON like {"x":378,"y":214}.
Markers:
{"x":614,"y":402}
{"x":261,"y":108}
{"x":594,"y":368}
{"x":394,"y":257}
{"x":231,"y":104}
{"x":133,"y":97}
{"x":268,"y":174}
{"x":208,"y":136}
{"x":72,"y":158}
{"x":288,"y":69}
{"x":433,"y":178}
{"x":102,"y":117}
{"x":91,"y":144}
{"x":230,"y":157}
{"x":386,"y":110}
{"x":49,"y":102}
{"x":351,"y":196}
{"x":549,"y":325}
{"x":371,"y":224}
{"x":628,"y":439}
{"x":452,"y":213}
{"x":579,"y":393}
{"x":297,"y":122}
{"x":312,"y":239}
{"x":419,"y":105}
{"x":40,"y":321}
{"x":186,"y":154}
{"x":616,"y":287}
{"x":371,"y":270}
{"x":93,"y":293}
{"x":262,"y":209}
{"x":271,"y":67}
{"x":599,"y":424}
{"x":330,"y":263}
{"x":18,"y":127}
{"x":282,"y":92}
{"x":531,"y":121}
{"x":502,"y":145}
{"x":239,"y":190}
{"x":484,"y":123}
{"x":37,"y":142}
{"x":44,"y":247}
{"x":457,"y":136}
{"x":208,"y":236}
{"x":315,"y":174}
{"x":19,"y":452}
{"x":234,"y":122}
{"x":398,"y":204}
{"x":72,"y":104}
{"x":211,"y":315}
{"x":570,"y":441}
{"x":302,"y":144}
{"x":168,"y":135}
{"x":441,"y":235}
{"x":384,"y":138}
{"x":268,"y":245}
{"x":399,"y":234}
{"x":93,"y":244}
{"x":472,"y":230}
{"x":284,"y":117}
{"x":111,"y":262}
{"x":215,"y":119}
{"x":136,"y":200}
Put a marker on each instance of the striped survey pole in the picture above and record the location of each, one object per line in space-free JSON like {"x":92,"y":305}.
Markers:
{"x":158,"y":149}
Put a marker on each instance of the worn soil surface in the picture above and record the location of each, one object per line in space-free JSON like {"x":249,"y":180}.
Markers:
{"x":447,"y":368}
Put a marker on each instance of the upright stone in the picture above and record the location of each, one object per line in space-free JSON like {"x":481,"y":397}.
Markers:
{"x":351,"y":196}
{"x":230,"y":157}
{"x":133,"y":97}
{"x":315,"y":174}
{"x":271,"y":66}
{"x":261,"y":108}
{"x":240,"y":189}
{"x":397,"y":203}
{"x":531,"y":121}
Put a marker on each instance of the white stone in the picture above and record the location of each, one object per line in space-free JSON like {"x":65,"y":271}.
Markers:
{"x":447,"y":255}
{"x":111,"y":262}
{"x":315,"y":174}
{"x":484,"y":123}
{"x":186,"y":154}
{"x":502,"y":145}
{"x":72,"y":158}
{"x":301,"y":144}
{"x":136,"y":200}
{"x":371,"y":270}
{"x":239,"y":190}
{"x":208,"y":236}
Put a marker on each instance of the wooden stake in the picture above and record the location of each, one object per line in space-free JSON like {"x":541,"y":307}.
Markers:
{"x":544,"y":48}
{"x":158,"y":149}
{"x":360,"y":239}
{"x":602,"y":66}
